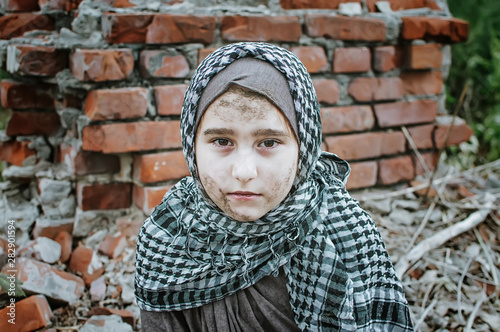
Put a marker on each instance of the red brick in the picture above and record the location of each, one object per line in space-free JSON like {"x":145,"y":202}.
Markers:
{"x":204,"y":52}
{"x":111,"y":104}
{"x":261,"y":28}
{"x":33,"y":60}
{"x":72,"y":100}
{"x":313,"y":57}
{"x":113,"y":245}
{"x":25,"y":96}
{"x":33,"y":123}
{"x":163,"y":166}
{"x":16,"y":25}
{"x":136,"y":136}
{"x":108,"y":196}
{"x":395,"y":170}
{"x":427,"y":56}
{"x":30,"y":314}
{"x":158,"y":28}
{"x":20,"y":5}
{"x":85,"y":262}
{"x":407,"y":4}
{"x":435,"y":28}
{"x":147,"y":198}
{"x":345,"y":28}
{"x":169,"y":98}
{"x":52,"y":227}
{"x":460,"y":132}
{"x":422,"y":136}
{"x":366,"y":89}
{"x":363,"y":174}
{"x":101,"y":65}
{"x":422,"y":82}
{"x":403,"y":113}
{"x":123,"y":4}
{"x":15,"y":152}
{"x":431,"y":160}
{"x":387,"y":58}
{"x":327,"y":90}
{"x":41,"y":278}
{"x":65,"y":239}
{"x":309,"y":4}
{"x":351,"y":60}
{"x":61,"y":5}
{"x":158,"y":63}
{"x":126,"y":315}
{"x":87,"y":162}
{"x":346,"y":119}
{"x":366,"y":145}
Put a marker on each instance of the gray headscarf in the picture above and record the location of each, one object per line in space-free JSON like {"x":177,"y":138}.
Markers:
{"x":255,"y":75}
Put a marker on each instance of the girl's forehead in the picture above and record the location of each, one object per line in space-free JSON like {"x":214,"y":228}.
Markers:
{"x":235,"y":107}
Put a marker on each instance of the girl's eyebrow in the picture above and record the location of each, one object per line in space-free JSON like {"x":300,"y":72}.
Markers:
{"x":258,"y":133}
{"x":219,"y":131}
{"x":270,"y":132}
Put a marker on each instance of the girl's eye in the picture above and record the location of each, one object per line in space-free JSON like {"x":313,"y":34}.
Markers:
{"x":270,"y":143}
{"x":222,"y":142}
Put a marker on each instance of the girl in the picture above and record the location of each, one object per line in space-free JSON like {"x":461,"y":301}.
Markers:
{"x":263,"y":236}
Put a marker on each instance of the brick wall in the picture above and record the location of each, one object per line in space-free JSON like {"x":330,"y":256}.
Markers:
{"x":96,"y":89}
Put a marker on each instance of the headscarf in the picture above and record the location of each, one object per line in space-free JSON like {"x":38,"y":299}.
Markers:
{"x":339,"y":275}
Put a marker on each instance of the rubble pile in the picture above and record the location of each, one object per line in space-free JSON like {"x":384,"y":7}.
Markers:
{"x":445,"y":246}
{"x":76,"y":275}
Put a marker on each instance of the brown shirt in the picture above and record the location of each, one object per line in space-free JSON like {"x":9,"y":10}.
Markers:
{"x":264,"y":306}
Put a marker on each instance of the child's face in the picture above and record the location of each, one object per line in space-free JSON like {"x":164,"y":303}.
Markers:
{"x":246,"y":154}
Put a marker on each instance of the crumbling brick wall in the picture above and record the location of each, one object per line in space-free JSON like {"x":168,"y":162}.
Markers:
{"x":96,"y":89}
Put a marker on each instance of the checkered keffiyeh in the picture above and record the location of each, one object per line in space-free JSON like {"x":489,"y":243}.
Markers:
{"x":339,"y":275}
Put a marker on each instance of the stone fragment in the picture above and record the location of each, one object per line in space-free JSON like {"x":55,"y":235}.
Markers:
{"x":98,"y":290}
{"x":55,"y":198}
{"x":350,"y":9}
{"x":113,"y":245}
{"x":30,"y":314}
{"x":42,"y":249}
{"x":126,"y":281}
{"x":65,"y":240}
{"x":101,"y":323}
{"x":49,"y":227}
{"x":41,"y":278}
{"x":126,"y":315}
{"x":85,"y":262}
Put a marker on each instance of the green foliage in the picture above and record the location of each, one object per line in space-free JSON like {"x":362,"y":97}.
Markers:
{"x":5,"y":285}
{"x":477,"y":64}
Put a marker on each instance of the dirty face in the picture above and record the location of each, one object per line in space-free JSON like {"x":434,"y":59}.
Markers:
{"x":246,"y":154}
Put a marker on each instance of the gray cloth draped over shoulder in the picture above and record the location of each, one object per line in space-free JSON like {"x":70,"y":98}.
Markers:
{"x":337,"y":270}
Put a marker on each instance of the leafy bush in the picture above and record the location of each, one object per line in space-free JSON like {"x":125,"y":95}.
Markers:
{"x":477,"y":64}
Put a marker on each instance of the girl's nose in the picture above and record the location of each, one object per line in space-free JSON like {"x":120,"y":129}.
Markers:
{"x":244,"y":167}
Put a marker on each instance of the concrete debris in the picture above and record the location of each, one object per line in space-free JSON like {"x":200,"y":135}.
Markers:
{"x":98,"y":289}
{"x":105,"y":323}
{"x":42,"y":249}
{"x":350,"y":9}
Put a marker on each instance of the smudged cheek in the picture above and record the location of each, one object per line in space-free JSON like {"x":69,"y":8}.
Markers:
{"x":280,"y":183}
{"x":214,"y":191}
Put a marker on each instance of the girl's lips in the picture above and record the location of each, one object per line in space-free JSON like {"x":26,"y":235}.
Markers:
{"x":244,"y":195}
